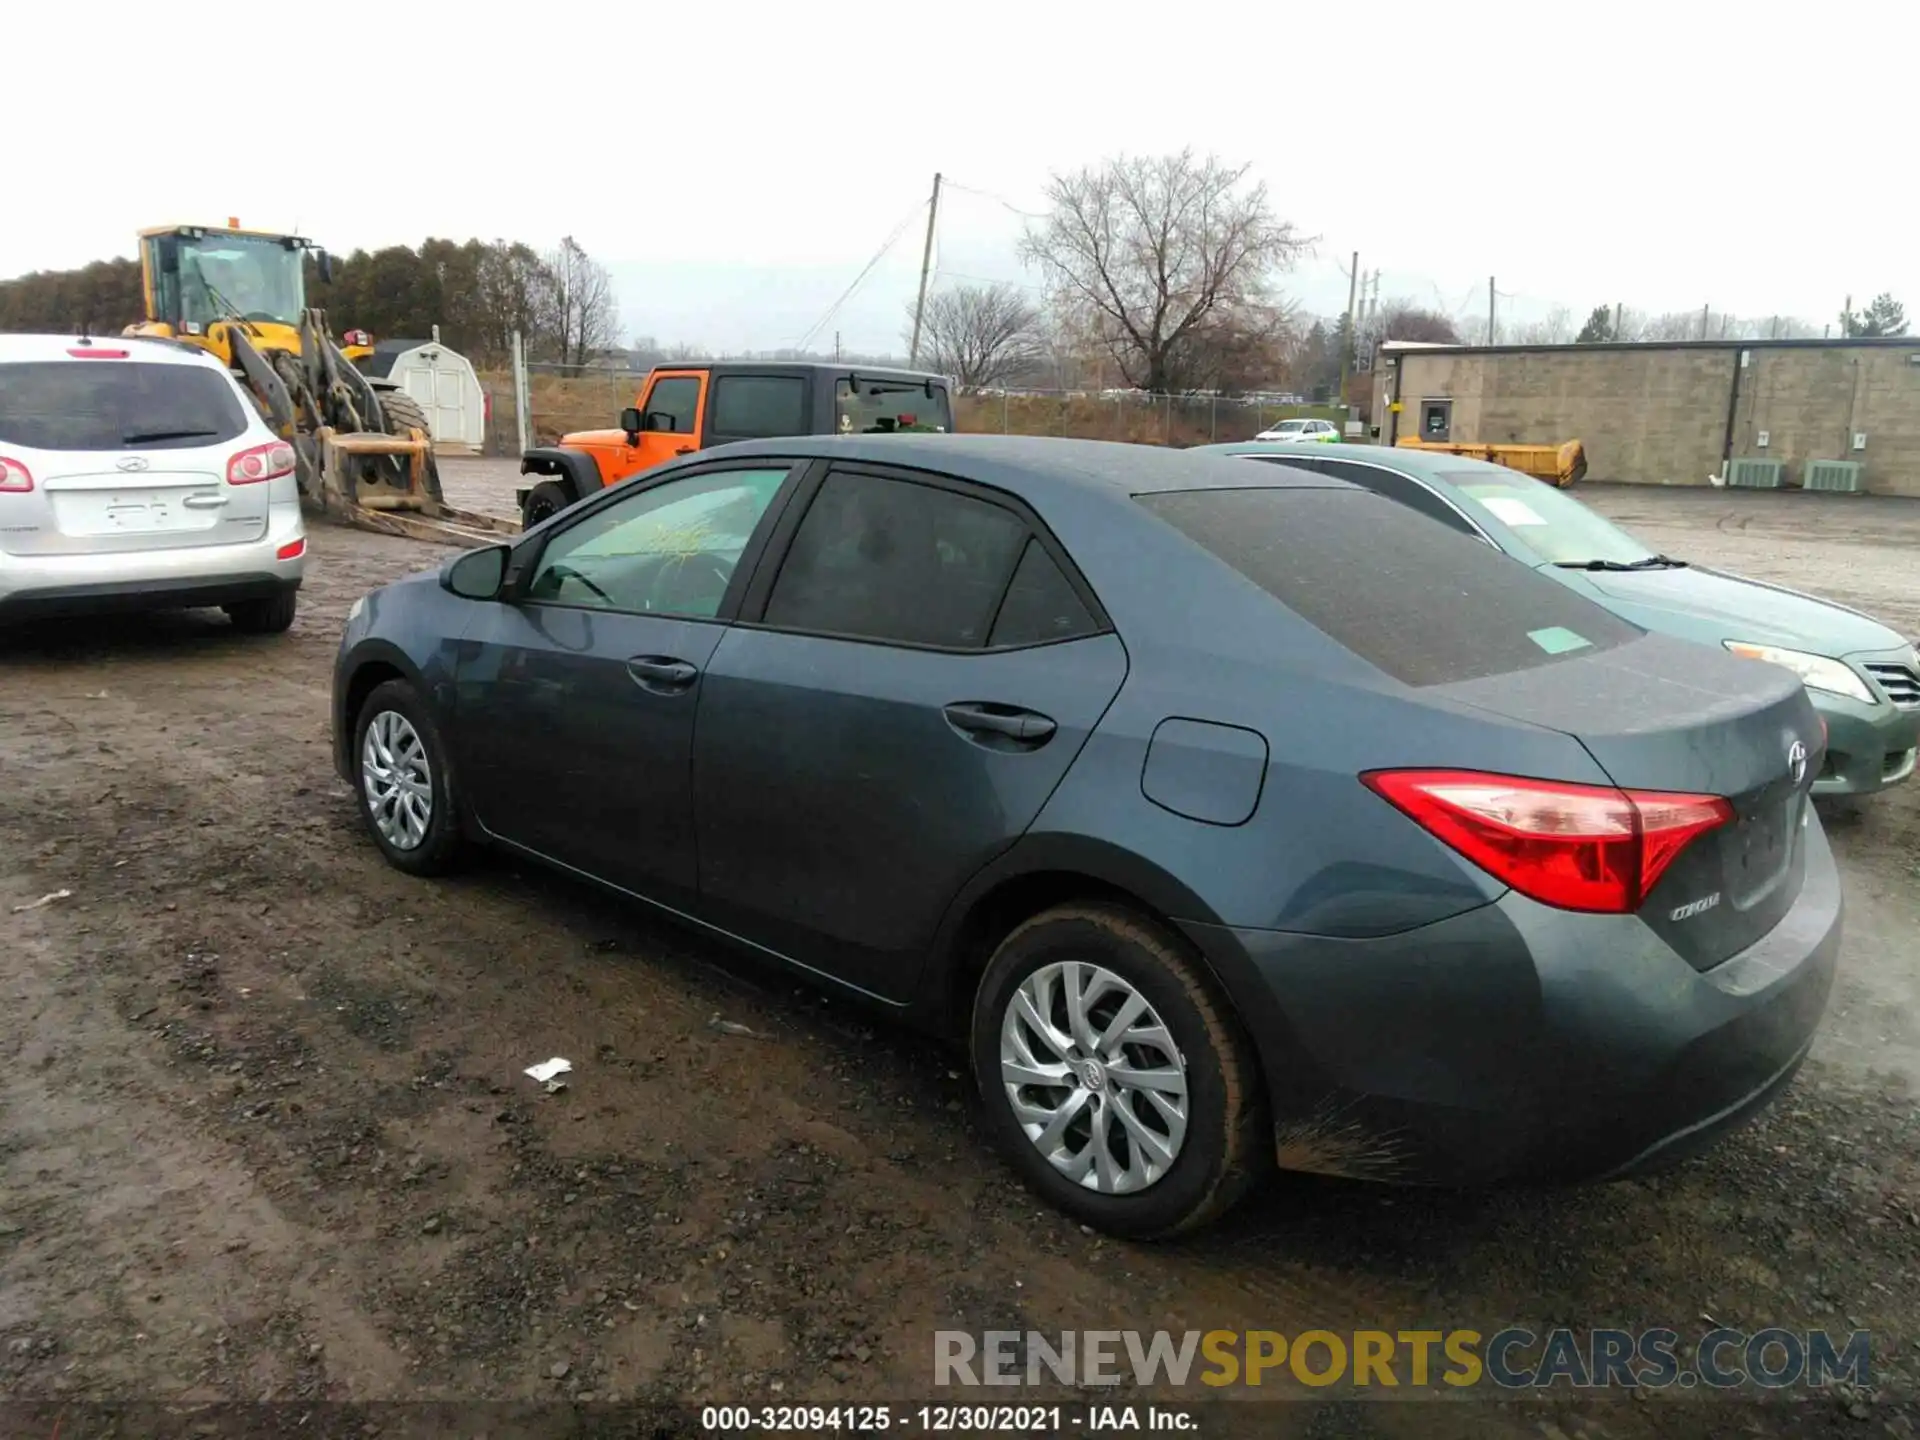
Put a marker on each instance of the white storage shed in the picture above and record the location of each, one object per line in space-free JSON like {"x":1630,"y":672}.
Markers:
{"x":442,"y":381}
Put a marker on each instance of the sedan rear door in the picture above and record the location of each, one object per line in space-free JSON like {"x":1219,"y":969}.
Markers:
{"x":118,"y":453}
{"x":897,"y":702}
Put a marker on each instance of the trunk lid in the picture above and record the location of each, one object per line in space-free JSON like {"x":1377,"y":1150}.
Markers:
{"x":1663,"y":715}
{"x":90,"y":511}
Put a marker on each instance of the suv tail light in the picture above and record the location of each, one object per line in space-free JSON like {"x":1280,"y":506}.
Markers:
{"x":14,"y":476}
{"x":1575,"y":847}
{"x":262,"y":462}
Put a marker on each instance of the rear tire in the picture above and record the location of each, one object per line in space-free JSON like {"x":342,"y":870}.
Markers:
{"x":272,"y":616}
{"x":544,"y":501}
{"x":395,"y":769}
{"x":1197,"y":1093}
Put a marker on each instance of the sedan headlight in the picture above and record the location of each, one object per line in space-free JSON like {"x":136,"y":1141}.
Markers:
{"x":1816,"y":672}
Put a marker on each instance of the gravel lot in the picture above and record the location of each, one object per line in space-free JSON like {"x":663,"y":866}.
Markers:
{"x":264,"y":1132}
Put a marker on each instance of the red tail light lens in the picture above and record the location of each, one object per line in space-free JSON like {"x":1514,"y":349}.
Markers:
{"x":14,"y":477}
{"x":1575,"y":847}
{"x":262,"y":462}
{"x":292,"y":550}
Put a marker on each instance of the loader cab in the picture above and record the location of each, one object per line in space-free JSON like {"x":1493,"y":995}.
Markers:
{"x":199,"y":280}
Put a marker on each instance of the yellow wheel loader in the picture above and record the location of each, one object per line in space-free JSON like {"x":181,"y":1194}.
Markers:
{"x":364,"y":449}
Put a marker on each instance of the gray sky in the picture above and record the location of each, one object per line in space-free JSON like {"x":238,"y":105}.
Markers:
{"x":737,"y":165}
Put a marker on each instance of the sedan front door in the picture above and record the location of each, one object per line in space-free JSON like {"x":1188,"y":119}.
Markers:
{"x":574,"y":706}
{"x":923,"y":668}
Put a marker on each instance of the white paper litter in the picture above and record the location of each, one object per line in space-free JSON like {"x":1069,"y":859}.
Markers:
{"x":547,"y":1069}
{"x":46,"y":899}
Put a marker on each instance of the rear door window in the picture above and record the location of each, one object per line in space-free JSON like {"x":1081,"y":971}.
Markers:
{"x":1421,"y":602}
{"x":116,"y":405}
{"x":904,"y":563}
{"x":758,"y":407}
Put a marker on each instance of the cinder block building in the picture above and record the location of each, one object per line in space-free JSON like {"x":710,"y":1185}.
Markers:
{"x":1672,"y":413}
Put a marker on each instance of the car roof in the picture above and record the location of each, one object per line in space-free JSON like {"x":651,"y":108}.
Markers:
{"x":1035,"y":465}
{"x":806,"y":367}
{"x":1435,"y":465}
{"x":20,"y":349}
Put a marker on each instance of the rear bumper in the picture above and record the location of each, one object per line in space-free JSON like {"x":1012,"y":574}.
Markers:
{"x":1516,"y":1043}
{"x":36,"y":587}
{"x":1868,"y":747}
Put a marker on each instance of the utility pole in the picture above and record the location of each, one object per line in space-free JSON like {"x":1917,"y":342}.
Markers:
{"x":1490,"y":339}
{"x":1846,"y":317}
{"x":1616,"y":320}
{"x":1705,"y":311}
{"x":926,"y":264}
{"x":836,"y":347}
{"x":1353,"y":299}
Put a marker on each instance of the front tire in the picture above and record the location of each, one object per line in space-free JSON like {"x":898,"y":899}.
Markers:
{"x":544,"y":501}
{"x":404,"y":782}
{"x":1115,"y":1076}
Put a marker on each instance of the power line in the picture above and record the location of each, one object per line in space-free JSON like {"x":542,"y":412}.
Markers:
{"x":859,"y":279}
{"x":999,"y":200}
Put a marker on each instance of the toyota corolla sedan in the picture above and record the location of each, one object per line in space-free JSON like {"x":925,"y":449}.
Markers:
{"x":1229,"y":816}
{"x":1864,"y":678}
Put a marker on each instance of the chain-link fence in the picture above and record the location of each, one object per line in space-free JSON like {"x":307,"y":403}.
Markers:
{"x":561,"y":399}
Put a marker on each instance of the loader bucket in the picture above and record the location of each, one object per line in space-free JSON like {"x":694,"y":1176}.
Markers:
{"x":387,"y":483}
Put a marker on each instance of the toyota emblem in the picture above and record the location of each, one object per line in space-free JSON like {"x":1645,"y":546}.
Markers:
{"x":1797,"y":761}
{"x":133,"y":462}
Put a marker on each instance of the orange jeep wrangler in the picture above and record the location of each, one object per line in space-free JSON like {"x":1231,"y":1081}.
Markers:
{"x":695,"y":407}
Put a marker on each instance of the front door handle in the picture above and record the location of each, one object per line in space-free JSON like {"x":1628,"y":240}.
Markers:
{"x":684,"y":450}
{"x":978,"y":717}
{"x":661,"y":672}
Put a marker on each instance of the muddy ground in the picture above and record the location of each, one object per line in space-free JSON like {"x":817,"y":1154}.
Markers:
{"x":264,"y":1132}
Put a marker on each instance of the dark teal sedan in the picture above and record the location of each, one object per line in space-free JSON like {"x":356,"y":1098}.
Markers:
{"x":1862,"y":677}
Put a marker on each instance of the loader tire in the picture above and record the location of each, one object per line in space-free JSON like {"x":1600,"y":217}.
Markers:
{"x":403,"y":413}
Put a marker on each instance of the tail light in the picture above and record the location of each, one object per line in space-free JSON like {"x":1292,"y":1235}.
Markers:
{"x":292,"y":550}
{"x":14,"y":477}
{"x":88,"y":353}
{"x":262,"y":462}
{"x":1575,"y":847}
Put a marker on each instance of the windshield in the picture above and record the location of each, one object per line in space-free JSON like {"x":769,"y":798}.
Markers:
{"x":1549,"y":522}
{"x":254,"y":276}
{"x":1289,"y":427}
{"x":877,"y":407}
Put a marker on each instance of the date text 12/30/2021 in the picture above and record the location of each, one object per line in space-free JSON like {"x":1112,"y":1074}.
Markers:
{"x":946,"y":1419}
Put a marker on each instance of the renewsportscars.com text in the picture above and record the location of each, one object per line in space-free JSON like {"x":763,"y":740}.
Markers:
{"x":1513,"y":1358}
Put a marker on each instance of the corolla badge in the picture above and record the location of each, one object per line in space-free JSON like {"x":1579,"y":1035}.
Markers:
{"x":132,"y":462}
{"x":1797,"y":761}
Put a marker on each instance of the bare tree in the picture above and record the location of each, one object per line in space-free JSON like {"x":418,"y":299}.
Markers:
{"x":980,"y":335}
{"x":582,"y":316}
{"x":1401,"y":319}
{"x":1153,"y":256}
{"x":1556,"y":327}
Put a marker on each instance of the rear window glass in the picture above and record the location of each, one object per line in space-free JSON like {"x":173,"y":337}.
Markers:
{"x":1423,"y":603}
{"x":116,"y":405}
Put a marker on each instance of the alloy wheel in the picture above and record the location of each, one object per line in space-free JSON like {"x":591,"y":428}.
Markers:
{"x":398,"y":780}
{"x":1094,"y":1077}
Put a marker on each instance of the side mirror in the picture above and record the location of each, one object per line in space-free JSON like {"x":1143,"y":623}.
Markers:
{"x":661,"y":421}
{"x":478,"y":574}
{"x":631,"y":423}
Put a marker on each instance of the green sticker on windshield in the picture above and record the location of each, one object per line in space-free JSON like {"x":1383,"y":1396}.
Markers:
{"x":1558,"y":640}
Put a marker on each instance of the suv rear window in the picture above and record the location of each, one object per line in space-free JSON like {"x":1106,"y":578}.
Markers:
{"x":116,"y":405}
{"x":1423,"y":603}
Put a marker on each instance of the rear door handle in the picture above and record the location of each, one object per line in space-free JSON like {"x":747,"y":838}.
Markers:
{"x":204,"y":502}
{"x":978,"y":717}
{"x":661,"y":672}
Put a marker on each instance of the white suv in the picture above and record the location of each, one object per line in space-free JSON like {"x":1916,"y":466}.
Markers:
{"x":135,"y":474}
